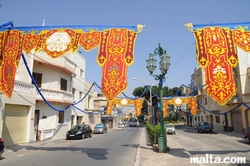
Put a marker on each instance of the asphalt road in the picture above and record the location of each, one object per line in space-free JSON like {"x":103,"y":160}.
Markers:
{"x":218,"y":145}
{"x":117,"y":147}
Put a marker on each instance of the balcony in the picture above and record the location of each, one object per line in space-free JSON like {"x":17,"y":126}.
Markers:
{"x":63,"y":63}
{"x":235,"y":100}
{"x":25,"y":88}
{"x":55,"y":96}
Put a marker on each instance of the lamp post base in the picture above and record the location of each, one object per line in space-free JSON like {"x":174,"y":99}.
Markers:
{"x":162,"y":144}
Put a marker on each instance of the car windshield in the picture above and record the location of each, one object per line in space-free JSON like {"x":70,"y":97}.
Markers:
{"x":204,"y":123}
{"x":76,"y":127}
{"x":99,"y":126}
{"x":169,"y":125}
{"x":133,"y":120}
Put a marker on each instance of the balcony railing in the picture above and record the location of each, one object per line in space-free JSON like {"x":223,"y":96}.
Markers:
{"x":24,"y":87}
{"x":56,"y":96}
{"x":235,"y":100}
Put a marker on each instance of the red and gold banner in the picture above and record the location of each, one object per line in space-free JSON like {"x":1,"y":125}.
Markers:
{"x":241,"y":38}
{"x":115,"y":54}
{"x":216,"y":53}
{"x":10,"y":52}
{"x":125,"y":102}
{"x":193,"y":105}
{"x":178,"y":101}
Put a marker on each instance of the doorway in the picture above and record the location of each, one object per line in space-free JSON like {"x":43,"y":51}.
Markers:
{"x":36,"y":125}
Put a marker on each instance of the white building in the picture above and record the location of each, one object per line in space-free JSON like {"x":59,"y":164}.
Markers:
{"x":27,"y":117}
{"x":17,"y":112}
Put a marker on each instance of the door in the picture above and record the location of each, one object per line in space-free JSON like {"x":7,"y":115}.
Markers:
{"x":36,"y":125}
{"x":15,"y":124}
{"x":237,"y":121}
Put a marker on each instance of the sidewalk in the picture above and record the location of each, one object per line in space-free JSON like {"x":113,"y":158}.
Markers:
{"x":147,"y":157}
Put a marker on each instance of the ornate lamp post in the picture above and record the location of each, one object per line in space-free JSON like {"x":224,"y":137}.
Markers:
{"x":164,"y":66}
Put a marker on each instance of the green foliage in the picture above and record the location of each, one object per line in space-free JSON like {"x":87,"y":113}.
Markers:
{"x":154,"y":128}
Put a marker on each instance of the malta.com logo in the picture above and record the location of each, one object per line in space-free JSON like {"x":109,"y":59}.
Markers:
{"x":210,"y":159}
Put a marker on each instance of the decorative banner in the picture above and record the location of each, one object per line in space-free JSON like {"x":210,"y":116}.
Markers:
{"x":178,"y":101}
{"x":138,"y":106}
{"x":193,"y":105}
{"x":216,"y":53}
{"x":116,"y":50}
{"x":115,"y":54}
{"x":165,"y":108}
{"x":10,"y":53}
{"x":124,"y":102}
{"x":241,"y":38}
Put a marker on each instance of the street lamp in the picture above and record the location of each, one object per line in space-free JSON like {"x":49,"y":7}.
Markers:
{"x":164,"y":66}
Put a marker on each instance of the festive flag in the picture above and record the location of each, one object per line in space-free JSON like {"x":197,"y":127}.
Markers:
{"x":115,"y":54}
{"x":116,"y":50}
{"x":10,"y":53}
{"x":215,"y":51}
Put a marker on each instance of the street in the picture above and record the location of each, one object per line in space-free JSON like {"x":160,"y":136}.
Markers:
{"x":218,"y":145}
{"x":117,"y":147}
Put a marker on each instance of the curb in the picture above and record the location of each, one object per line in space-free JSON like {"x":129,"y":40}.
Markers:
{"x":138,"y":152}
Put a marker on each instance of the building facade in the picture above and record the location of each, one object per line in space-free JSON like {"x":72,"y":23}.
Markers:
{"x":17,"y":112}
{"x":43,"y":109}
{"x":208,"y":109}
{"x":233,"y":116}
{"x":110,"y":120}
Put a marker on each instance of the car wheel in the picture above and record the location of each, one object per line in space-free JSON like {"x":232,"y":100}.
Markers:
{"x":198,"y":130}
{"x":90,"y":135}
{"x":1,"y":155}
{"x":83,"y":136}
{"x":247,"y":140}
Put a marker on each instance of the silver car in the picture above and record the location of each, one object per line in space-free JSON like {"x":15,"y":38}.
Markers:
{"x":170,"y":129}
{"x":100,"y":128}
{"x":121,"y":125}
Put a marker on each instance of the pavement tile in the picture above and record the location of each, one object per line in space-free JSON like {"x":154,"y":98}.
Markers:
{"x":177,"y":156}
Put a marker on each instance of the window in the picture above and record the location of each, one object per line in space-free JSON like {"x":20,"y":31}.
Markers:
{"x":61,"y":117}
{"x":81,"y":95}
{"x":81,"y":73}
{"x":38,"y":79}
{"x":217,"y":119}
{"x":63,"y":84}
{"x":205,"y":101}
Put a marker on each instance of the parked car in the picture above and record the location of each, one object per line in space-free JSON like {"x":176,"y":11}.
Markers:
{"x":121,"y":125}
{"x":100,"y":128}
{"x":204,"y":127}
{"x":1,"y":147}
{"x":247,"y":135}
{"x":79,"y":131}
{"x":170,"y":129}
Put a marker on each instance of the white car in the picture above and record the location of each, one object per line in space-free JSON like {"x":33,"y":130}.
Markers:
{"x":121,"y":125}
{"x":170,"y":129}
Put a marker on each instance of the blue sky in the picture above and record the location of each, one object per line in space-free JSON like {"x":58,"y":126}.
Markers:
{"x":164,"y":20}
